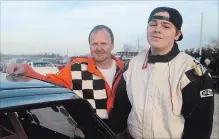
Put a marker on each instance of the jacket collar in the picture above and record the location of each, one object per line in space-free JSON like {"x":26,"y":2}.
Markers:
{"x":164,"y":58}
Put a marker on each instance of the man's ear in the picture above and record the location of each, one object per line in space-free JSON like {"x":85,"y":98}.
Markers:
{"x":112,"y":47}
{"x":178,"y":34}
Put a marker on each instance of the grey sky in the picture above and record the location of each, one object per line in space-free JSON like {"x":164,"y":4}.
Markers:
{"x":53,"y":26}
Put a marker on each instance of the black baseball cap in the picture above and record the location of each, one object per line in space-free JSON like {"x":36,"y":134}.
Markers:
{"x":175,"y":17}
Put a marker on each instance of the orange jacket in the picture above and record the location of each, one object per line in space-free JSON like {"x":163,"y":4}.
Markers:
{"x":64,"y":77}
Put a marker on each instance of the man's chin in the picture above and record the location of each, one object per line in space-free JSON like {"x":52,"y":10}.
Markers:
{"x":99,"y":59}
{"x":156,"y":45}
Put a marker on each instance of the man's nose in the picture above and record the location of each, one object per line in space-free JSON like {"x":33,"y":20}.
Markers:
{"x":157,"y":29}
{"x":99,"y":47}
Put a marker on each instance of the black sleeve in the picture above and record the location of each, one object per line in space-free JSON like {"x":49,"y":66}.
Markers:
{"x":198,"y":106}
{"x":122,"y":107}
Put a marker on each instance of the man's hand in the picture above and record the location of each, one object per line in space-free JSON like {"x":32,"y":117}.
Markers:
{"x":15,"y":69}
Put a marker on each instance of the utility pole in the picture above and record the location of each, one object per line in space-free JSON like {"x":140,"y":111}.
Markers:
{"x":200,"y":49}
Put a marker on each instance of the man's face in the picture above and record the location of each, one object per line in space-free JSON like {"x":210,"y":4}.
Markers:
{"x":160,"y":33}
{"x":100,"y":45}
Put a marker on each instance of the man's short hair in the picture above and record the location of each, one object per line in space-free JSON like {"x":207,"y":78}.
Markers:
{"x":100,"y":27}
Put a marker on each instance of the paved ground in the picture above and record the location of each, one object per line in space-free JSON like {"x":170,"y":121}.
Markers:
{"x":59,"y":122}
{"x":215,"y":132}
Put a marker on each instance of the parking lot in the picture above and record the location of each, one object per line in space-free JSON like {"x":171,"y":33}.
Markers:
{"x":215,"y":133}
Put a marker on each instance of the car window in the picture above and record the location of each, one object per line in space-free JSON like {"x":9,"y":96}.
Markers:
{"x":54,"y":121}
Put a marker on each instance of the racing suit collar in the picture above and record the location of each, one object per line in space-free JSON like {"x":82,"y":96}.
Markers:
{"x":164,"y":58}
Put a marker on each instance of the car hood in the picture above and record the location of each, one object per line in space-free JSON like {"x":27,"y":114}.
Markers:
{"x":21,"y":82}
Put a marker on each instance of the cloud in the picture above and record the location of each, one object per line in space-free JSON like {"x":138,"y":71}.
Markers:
{"x":50,"y":26}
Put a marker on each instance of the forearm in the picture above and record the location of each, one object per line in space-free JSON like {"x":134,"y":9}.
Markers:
{"x":64,"y":78}
{"x":31,"y":73}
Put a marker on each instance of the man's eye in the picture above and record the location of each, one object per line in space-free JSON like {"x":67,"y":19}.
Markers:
{"x":152,"y":24}
{"x":94,"y":44}
{"x":166,"y":27}
{"x":104,"y":43}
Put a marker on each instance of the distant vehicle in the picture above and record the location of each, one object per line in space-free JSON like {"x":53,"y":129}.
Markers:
{"x":52,"y":60}
{"x":18,"y":60}
{"x":33,"y":109}
{"x":126,"y":56}
{"x":213,"y":67}
{"x":68,"y":60}
{"x":43,"y":67}
{"x":2,"y":67}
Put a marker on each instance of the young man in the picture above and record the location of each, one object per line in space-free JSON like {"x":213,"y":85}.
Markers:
{"x":170,"y":92}
{"x":96,"y":79}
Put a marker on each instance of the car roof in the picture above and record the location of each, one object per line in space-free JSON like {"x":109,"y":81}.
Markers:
{"x":9,"y":82}
{"x":23,"y":91}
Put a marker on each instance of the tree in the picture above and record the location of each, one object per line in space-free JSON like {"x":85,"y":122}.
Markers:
{"x":131,"y":48}
{"x":193,"y":52}
{"x":209,"y":50}
{"x":214,"y":44}
{"x":53,"y":55}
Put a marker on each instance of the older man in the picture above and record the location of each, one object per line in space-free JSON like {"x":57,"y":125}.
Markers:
{"x":98,"y":79}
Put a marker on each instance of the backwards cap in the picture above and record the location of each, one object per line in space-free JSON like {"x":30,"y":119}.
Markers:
{"x":175,"y":17}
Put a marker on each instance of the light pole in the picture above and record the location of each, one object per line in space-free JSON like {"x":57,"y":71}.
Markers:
{"x":200,"y":49}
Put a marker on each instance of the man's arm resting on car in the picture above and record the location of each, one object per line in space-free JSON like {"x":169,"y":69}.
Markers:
{"x":64,"y":77}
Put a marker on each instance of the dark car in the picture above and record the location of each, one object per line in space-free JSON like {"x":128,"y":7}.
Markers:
{"x":33,"y":109}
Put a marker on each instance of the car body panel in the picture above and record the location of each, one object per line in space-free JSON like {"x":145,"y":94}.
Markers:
{"x":29,"y":97}
{"x":19,"y":90}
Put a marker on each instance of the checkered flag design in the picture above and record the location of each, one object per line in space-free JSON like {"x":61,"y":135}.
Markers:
{"x":90,"y":87}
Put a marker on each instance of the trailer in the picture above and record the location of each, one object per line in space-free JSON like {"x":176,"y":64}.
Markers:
{"x":126,"y":56}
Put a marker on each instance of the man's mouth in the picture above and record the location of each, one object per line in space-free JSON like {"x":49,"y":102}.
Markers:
{"x":156,"y":37}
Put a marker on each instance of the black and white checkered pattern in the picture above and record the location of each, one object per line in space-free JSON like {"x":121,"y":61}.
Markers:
{"x":90,"y":87}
